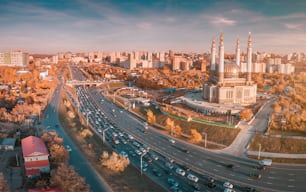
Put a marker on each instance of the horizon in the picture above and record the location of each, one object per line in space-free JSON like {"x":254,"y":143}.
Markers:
{"x":48,"y":27}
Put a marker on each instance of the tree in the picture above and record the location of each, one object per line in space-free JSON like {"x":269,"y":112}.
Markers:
{"x":3,"y":185}
{"x":58,"y":153}
{"x":151,"y":117}
{"x":195,"y":136}
{"x":68,"y":179}
{"x":246,"y":114}
{"x":177,"y":131}
{"x":169,"y":124}
{"x":114,"y":162}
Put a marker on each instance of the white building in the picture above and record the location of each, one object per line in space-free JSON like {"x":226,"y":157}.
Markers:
{"x":225,"y":86}
{"x":14,"y":58}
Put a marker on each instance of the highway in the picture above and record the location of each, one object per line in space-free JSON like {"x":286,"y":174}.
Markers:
{"x":202,"y":162}
{"x":76,"y":158}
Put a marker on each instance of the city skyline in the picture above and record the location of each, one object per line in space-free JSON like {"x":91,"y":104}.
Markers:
{"x":84,"y":26}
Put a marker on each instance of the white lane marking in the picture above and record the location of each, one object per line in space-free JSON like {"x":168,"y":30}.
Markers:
{"x":291,"y":179}
{"x":291,"y":174}
{"x":269,"y":183}
{"x":271,"y":177}
{"x":232,"y":174}
{"x":215,"y":170}
{"x":291,"y":186}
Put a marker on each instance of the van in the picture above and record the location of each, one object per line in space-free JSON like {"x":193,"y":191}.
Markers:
{"x":265,"y":162}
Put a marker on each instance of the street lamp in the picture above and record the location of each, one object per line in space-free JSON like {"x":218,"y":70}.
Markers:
{"x":141,"y":160}
{"x":259,"y":145}
{"x":205,"y":141}
{"x":88,"y":112}
{"x":103,"y":134}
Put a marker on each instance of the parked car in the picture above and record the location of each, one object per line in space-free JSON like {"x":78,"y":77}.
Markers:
{"x":173,"y":182}
{"x":227,"y":184}
{"x":157,"y":172}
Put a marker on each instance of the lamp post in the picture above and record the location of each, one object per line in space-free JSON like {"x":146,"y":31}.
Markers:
{"x":205,"y":141}
{"x":259,"y":145}
{"x":103,"y":135}
{"x":88,"y":112}
{"x":141,"y":161}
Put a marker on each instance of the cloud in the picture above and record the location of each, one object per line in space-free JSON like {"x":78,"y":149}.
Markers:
{"x":294,"y":26}
{"x":223,"y":21}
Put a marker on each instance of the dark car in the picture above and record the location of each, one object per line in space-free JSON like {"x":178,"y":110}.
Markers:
{"x":185,"y":167}
{"x":157,"y":172}
{"x":173,"y":182}
{"x":195,"y":186}
{"x":169,"y":172}
{"x":255,"y":175}
{"x":211,"y":185}
{"x":185,"y":150}
{"x":248,"y":189}
{"x":261,"y":167}
{"x":230,"y":166}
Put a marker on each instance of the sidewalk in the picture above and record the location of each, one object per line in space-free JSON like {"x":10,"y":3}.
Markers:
{"x":277,"y":155}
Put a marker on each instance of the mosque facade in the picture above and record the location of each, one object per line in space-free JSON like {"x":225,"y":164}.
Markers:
{"x":226,"y":84}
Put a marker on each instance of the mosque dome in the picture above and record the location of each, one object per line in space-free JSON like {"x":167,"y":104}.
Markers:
{"x":231,"y":70}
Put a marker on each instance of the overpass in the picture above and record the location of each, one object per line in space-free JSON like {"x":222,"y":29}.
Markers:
{"x":72,"y":83}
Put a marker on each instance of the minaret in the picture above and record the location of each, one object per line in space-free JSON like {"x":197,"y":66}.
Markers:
{"x":238,"y":53}
{"x":249,"y":63}
{"x":221,"y":59}
{"x":213,"y":55}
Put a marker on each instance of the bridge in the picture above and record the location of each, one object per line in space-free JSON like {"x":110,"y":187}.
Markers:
{"x":72,"y":83}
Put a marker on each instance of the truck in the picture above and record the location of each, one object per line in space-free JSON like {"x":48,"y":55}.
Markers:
{"x":265,"y":162}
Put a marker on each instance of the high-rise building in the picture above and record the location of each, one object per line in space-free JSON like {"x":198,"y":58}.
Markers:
{"x":225,"y":86}
{"x":14,"y":58}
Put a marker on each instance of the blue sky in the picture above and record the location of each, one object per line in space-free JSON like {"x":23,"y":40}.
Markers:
{"x":53,"y":26}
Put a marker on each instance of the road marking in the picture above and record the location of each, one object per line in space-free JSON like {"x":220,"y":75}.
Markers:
{"x":291,"y":180}
{"x":232,"y":174}
{"x":215,"y":170}
{"x":271,"y":177}
{"x":291,"y":186}
{"x":269,"y":183}
{"x":291,"y":174}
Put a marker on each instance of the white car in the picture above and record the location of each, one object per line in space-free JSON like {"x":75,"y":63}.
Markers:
{"x":68,"y":148}
{"x":172,"y":141}
{"x":192,"y":177}
{"x":228,"y":185}
{"x":180,"y":171}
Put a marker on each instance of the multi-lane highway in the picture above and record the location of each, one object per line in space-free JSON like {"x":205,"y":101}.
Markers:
{"x":202,"y":162}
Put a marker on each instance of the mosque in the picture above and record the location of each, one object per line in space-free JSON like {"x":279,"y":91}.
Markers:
{"x":226,"y":84}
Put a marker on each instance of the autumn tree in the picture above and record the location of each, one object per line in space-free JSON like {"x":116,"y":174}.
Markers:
{"x":195,"y":136}
{"x":114,"y":162}
{"x":169,"y":125}
{"x":58,"y":153}
{"x":151,"y":117}
{"x":246,"y":114}
{"x":3,"y":186}
{"x":177,"y":131}
{"x":68,"y":179}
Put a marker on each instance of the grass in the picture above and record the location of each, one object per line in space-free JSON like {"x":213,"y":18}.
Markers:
{"x":220,"y":135}
{"x":128,"y":181}
{"x":278,"y":145}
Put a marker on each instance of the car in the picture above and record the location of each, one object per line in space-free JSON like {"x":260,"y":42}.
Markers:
{"x":230,"y":166}
{"x":228,"y":190}
{"x":195,"y":186}
{"x":192,"y":177}
{"x":153,"y":156}
{"x":185,"y":167}
{"x":130,"y":137}
{"x":173,"y":182}
{"x":261,"y":167}
{"x":68,"y":148}
{"x":138,"y":152}
{"x":170,"y":160}
{"x":168,"y":171}
{"x":186,"y":151}
{"x":248,"y":189}
{"x":228,"y":185}
{"x":266,"y":162}
{"x":255,"y":175}
{"x":211,"y":185}
{"x":124,"y":154}
{"x":180,"y":171}
{"x":208,"y":178}
{"x":172,"y":141}
{"x":169,"y":165}
{"x":156,"y":172}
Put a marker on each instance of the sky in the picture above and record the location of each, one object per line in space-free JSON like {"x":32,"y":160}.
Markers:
{"x":41,"y":26}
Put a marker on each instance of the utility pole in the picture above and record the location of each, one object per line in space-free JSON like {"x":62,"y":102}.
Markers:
{"x":259,"y":151}
{"x":205,"y":141}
